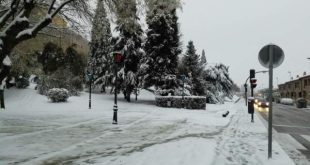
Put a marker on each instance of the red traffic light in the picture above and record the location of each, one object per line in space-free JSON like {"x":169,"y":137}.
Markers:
{"x":118,"y":57}
{"x":253,"y":82}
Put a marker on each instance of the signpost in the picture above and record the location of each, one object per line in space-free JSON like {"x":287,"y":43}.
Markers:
{"x":270,"y":56}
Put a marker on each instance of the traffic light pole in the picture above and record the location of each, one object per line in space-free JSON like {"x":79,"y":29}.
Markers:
{"x":246,"y":91}
{"x":245,"y":94}
{"x":252,"y":115}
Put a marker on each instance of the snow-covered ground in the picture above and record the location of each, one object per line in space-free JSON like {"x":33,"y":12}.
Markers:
{"x":36,"y":131}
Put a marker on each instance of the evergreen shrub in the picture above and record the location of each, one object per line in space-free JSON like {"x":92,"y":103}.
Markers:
{"x":58,"y":94}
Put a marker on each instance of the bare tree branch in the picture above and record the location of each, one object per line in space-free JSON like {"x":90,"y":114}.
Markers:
{"x":9,"y":13}
{"x":60,"y":7}
{"x":51,"y":7}
{"x":31,"y":32}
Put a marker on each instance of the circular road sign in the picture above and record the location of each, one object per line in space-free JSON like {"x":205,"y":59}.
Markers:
{"x":264,"y":57}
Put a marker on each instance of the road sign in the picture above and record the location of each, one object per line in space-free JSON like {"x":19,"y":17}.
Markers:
{"x":264,"y":56}
{"x":270,"y":56}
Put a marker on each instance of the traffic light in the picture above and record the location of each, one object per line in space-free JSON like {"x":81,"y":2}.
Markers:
{"x":253,"y":82}
{"x":252,"y":73}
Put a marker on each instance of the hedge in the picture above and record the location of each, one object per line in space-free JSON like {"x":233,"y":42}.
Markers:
{"x":190,"y":102}
{"x":58,"y":94}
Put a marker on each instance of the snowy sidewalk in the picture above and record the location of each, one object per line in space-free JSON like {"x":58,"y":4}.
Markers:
{"x":244,"y":142}
{"x":35,"y":131}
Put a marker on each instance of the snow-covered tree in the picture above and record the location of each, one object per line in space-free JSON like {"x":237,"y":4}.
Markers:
{"x":61,"y":70}
{"x":169,"y":5}
{"x":75,"y":61}
{"x":129,"y":43}
{"x":203,"y":59}
{"x":51,"y":58}
{"x":219,"y":84}
{"x":193,"y":69}
{"x":162,"y":49}
{"x":100,"y":47}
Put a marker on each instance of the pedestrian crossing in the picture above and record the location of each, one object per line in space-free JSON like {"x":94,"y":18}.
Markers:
{"x":290,"y":141}
{"x":297,"y":146}
{"x":307,"y":137}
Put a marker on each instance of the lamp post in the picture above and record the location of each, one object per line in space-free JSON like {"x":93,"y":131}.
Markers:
{"x":89,"y":77}
{"x":290,"y":73}
{"x":117,"y":60}
{"x":183,"y":77}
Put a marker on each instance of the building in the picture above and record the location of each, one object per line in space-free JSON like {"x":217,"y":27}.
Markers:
{"x":57,"y":32}
{"x":299,"y":88}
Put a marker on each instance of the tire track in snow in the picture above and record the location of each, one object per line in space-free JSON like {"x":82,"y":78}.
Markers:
{"x":49,"y":130}
{"x":45,"y":158}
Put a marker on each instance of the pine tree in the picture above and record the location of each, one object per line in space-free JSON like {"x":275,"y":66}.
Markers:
{"x":100,"y":46}
{"x":203,"y":59}
{"x":162,"y":50}
{"x":129,"y":43}
{"x":219,"y":84}
{"x":193,"y":69}
{"x":51,"y":58}
{"x":74,"y":61}
{"x":175,"y":42}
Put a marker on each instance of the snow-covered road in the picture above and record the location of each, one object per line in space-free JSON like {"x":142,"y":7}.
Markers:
{"x":35,"y":131}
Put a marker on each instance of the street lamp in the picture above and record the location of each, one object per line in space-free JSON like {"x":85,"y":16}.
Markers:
{"x":89,"y":78}
{"x":183,"y":77}
{"x":118,"y":58}
{"x":290,"y":73}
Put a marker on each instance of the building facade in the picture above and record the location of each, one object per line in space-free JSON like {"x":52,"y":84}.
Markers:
{"x":299,"y":88}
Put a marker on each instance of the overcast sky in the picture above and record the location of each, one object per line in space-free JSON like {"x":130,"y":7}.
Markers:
{"x":233,"y":31}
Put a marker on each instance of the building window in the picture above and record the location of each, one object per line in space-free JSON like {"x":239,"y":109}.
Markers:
{"x":305,"y":83}
{"x":296,"y":85}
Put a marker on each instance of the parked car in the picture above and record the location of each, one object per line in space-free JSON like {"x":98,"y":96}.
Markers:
{"x":287,"y":101}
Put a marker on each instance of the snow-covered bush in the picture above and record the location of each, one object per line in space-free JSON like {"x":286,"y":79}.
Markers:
{"x":62,"y":78}
{"x":22,"y":82}
{"x":189,"y":102}
{"x":58,"y":94}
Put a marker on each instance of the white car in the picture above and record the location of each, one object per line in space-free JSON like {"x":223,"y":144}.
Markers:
{"x":287,"y":101}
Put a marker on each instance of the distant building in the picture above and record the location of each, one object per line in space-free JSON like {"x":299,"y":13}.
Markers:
{"x":57,"y":32}
{"x":299,"y":88}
